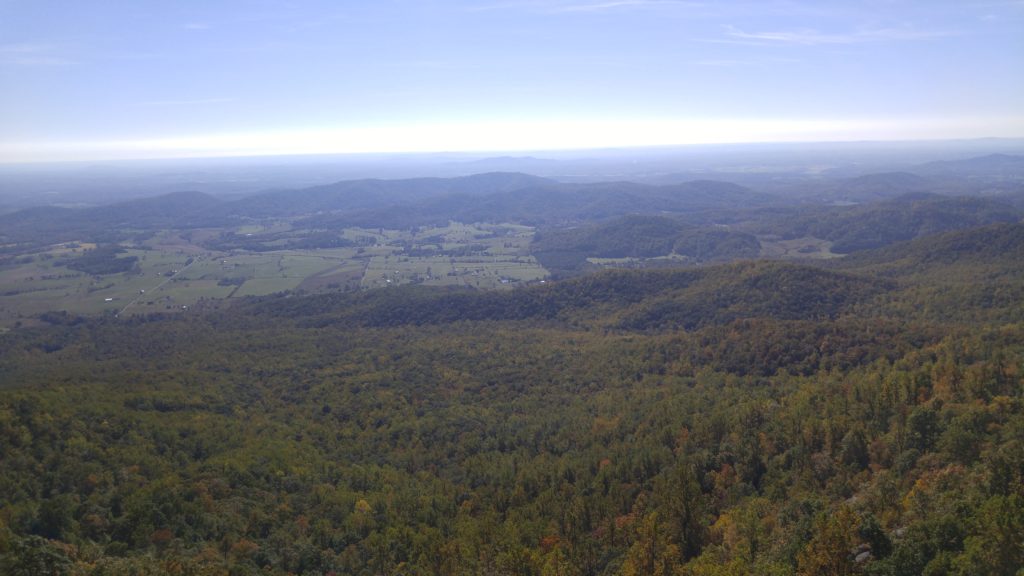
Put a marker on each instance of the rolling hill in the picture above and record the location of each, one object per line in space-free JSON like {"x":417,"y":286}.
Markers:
{"x":553,"y":204}
{"x":49,"y":225}
{"x":358,"y":195}
{"x":565,"y":250}
{"x":752,"y":417}
{"x":878,"y":224}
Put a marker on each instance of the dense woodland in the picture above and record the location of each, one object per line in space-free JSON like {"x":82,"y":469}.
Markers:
{"x":864,"y":416}
{"x":873,"y":225}
{"x":564,"y":251}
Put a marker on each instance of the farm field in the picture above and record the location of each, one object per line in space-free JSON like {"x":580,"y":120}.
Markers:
{"x":172,"y":271}
{"x":804,"y":248}
{"x":635,"y":262}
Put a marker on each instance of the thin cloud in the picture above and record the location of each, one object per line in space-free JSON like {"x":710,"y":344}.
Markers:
{"x":430,"y":65}
{"x":811,"y":37}
{"x":194,"y":102}
{"x":616,"y":4}
{"x":729,"y":63}
{"x":509,"y":5}
{"x":547,"y":7}
{"x":32,"y":55}
{"x":723,"y":63}
{"x":286,"y":19}
{"x":129,"y":56}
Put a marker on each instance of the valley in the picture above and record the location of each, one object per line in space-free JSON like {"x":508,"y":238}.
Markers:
{"x":504,"y":374}
{"x":512,"y":288}
{"x":172,"y":271}
{"x":488,"y":231}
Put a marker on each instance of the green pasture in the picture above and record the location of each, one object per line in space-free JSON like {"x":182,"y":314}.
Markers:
{"x":171,"y":273}
{"x":807,"y":247}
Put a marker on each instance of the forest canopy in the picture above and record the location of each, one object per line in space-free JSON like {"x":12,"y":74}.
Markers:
{"x":691,"y":422}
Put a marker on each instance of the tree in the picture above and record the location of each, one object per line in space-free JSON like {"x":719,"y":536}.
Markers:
{"x":34,"y":556}
{"x":682,"y":504}
{"x":829,"y":553}
{"x":652,"y":553}
{"x":997,"y":546}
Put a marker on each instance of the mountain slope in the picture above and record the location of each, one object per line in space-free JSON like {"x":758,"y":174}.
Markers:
{"x":992,"y":166}
{"x":552,"y":204}
{"x":998,"y":248}
{"x":355,"y":195}
{"x":565,"y":250}
{"x":803,"y":417}
{"x":905,"y":218}
{"x":976,"y":273}
{"x":633,"y":300}
{"x":52,"y":225}
{"x":881,"y":186}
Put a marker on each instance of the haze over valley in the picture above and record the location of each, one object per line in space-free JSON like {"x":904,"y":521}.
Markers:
{"x":567,"y":287}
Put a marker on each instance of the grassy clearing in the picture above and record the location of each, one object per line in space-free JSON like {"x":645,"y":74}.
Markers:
{"x":804,"y":248}
{"x":262,"y":286}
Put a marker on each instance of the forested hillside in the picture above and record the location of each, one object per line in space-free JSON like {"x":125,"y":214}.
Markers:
{"x":869,"y":226}
{"x":753,"y":418}
{"x":565,"y":250}
{"x":47,"y":225}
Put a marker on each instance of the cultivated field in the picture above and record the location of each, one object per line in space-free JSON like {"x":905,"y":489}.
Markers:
{"x":174,"y":271}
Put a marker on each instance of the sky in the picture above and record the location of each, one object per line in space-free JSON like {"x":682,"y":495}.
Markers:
{"x":110,"y":79}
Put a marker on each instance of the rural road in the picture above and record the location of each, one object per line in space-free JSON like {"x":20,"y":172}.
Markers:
{"x":158,"y":286}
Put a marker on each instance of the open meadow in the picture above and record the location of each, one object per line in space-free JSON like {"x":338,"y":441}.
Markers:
{"x":173,"y":271}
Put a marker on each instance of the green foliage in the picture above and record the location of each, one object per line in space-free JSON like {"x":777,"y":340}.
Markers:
{"x":652,"y":554}
{"x":709,"y":245}
{"x":35,"y":556}
{"x":996,"y":543}
{"x":644,"y":300}
{"x":43,"y":226}
{"x":636,"y":236}
{"x":565,"y":250}
{"x":804,"y":421}
{"x":829,"y":553}
{"x":103,"y":260}
{"x":229,"y":241}
{"x":871,"y":226}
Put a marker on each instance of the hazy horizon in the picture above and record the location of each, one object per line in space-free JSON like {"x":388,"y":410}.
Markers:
{"x":267,"y":78}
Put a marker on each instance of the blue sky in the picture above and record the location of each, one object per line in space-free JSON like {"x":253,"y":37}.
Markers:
{"x":98,"y":79}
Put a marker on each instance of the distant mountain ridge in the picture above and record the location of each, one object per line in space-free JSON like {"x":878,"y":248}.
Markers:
{"x":903,"y":206}
{"x":880,"y":186}
{"x":352,"y":195}
{"x":554,"y":203}
{"x":396,"y":204}
{"x":992,"y":165}
{"x":176,"y":209}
